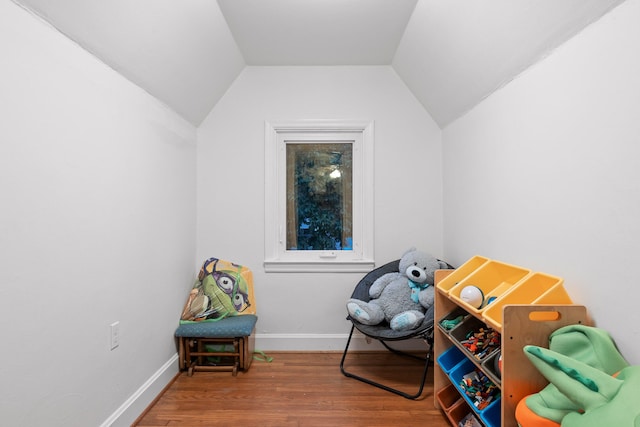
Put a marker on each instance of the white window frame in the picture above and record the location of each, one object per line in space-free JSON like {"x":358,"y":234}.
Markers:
{"x":277,"y":257}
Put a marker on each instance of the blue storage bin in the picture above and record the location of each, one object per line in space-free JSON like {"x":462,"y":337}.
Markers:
{"x":457,"y":374}
{"x":450,"y":358}
{"x":491,"y":415}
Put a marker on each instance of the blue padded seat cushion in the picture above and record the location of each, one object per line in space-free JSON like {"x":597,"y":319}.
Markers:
{"x":229,"y":327}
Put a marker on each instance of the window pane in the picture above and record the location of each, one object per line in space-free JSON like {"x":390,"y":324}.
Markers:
{"x":319,"y":194}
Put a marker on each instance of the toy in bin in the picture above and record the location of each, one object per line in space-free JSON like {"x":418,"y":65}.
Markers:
{"x":480,"y":390}
{"x":469,"y":421}
{"x":472,"y":295}
{"x":449,"y":324}
{"x":482,"y":342}
{"x":498,"y":365}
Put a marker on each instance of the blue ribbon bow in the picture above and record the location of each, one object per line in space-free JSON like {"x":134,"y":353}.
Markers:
{"x":416,"y":288}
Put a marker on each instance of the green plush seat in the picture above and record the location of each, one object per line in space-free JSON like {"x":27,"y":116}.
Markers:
{"x":233,"y":335}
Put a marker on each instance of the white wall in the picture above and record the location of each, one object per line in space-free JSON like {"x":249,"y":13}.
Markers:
{"x":98,"y":184}
{"x":545,"y":173}
{"x":308,"y":310}
{"x":97,"y":224}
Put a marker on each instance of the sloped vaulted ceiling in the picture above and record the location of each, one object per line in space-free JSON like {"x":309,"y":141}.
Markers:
{"x":450,"y":53}
{"x":454,"y":53}
{"x":182,"y":52}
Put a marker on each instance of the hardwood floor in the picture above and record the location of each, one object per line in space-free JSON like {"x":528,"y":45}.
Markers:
{"x":298,"y":389}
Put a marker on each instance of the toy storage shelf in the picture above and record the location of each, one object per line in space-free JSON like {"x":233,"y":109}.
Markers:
{"x":529,"y":308}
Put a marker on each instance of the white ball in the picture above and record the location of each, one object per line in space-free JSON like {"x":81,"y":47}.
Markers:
{"x":472,"y":295}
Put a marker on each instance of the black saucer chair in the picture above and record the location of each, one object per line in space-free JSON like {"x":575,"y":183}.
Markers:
{"x":384,"y":334}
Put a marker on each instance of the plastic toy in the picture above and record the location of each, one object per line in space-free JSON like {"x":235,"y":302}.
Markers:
{"x":472,"y":295}
{"x":498,"y":365}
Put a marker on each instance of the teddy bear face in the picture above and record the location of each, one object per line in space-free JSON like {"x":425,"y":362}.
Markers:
{"x":418,"y":266}
{"x":416,"y":274}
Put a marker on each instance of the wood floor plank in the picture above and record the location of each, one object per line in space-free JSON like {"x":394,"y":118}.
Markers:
{"x":298,"y":390}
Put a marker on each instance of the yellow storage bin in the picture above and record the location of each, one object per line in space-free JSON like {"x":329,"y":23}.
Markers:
{"x":493,"y":278}
{"x":460,"y":273}
{"x":556,"y":295}
{"x":537,"y":288}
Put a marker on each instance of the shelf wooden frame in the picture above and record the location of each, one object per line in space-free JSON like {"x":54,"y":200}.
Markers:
{"x":523,"y":324}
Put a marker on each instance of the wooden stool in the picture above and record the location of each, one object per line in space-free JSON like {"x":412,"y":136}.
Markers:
{"x":233,"y":334}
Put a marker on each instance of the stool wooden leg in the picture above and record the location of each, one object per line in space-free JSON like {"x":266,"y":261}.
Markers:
{"x":248,"y":344}
{"x":200,"y":350}
{"x":241,"y":353}
{"x":194,"y":355}
{"x":188,"y":345}
{"x":181,"y":355}
{"x":236,"y":359}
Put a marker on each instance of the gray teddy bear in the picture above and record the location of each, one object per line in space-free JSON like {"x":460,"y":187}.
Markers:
{"x":401,"y":298}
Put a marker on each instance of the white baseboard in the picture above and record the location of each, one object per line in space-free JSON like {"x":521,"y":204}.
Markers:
{"x":328,"y":342}
{"x":131,"y":409}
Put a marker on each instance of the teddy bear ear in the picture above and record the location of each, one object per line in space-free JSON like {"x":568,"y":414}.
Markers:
{"x":411,"y":249}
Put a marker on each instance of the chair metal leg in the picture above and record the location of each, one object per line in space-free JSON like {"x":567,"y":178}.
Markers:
{"x":406,"y":395}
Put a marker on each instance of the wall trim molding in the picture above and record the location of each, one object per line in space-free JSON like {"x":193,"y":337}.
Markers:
{"x":131,"y":409}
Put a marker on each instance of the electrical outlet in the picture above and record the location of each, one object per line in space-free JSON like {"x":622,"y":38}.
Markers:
{"x":115,"y":335}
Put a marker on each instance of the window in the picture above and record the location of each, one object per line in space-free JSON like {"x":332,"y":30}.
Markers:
{"x":319,"y":196}
{"x":319,"y":212}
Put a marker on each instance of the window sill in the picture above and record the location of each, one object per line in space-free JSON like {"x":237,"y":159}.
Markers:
{"x":277,"y":266}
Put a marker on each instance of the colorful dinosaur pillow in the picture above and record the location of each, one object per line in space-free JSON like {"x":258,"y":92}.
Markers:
{"x":605,"y":400}
{"x":586,"y":344}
